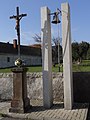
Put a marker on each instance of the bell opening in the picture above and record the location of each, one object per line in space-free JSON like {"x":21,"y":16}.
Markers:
{"x":55,"y":19}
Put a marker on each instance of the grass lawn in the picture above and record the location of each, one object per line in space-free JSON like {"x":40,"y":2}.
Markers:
{"x":32,"y":69}
{"x":5,"y":70}
{"x":83,"y":67}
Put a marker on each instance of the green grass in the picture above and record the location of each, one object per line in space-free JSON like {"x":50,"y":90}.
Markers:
{"x":5,"y":70}
{"x":56,"y":68}
{"x":85,"y":62}
{"x":83,"y":67}
{"x":32,"y":69}
{"x":39,"y":69}
{"x":35,"y":69}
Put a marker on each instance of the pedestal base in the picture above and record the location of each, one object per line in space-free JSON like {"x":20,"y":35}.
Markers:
{"x":20,"y":102}
{"x":20,"y":106}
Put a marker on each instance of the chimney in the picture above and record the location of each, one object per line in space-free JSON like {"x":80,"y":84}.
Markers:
{"x":15,"y":43}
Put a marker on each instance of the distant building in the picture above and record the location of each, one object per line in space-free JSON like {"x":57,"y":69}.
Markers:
{"x":36,"y":46}
{"x":9,"y":53}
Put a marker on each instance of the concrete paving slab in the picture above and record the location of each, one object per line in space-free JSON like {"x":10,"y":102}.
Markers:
{"x":11,"y":119}
{"x":38,"y":112}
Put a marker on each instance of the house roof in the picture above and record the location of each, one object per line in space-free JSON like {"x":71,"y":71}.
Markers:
{"x":36,"y":45}
{"x":7,"y":48}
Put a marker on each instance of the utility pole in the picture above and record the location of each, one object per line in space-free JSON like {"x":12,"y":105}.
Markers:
{"x":58,"y":56}
{"x":18,"y":18}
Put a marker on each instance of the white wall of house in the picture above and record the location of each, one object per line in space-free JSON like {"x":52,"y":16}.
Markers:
{"x":7,"y":60}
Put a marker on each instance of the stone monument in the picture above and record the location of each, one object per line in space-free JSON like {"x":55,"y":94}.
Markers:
{"x":46,"y":57}
{"x":67,"y":56}
{"x":20,"y":102}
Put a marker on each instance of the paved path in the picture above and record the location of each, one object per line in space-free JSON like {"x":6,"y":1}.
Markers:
{"x":10,"y":119}
{"x":57,"y":112}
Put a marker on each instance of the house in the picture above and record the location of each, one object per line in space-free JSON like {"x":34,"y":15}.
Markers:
{"x":36,"y":46}
{"x":9,"y":53}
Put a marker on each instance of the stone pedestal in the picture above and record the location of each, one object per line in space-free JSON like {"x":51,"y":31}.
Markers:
{"x":20,"y":103}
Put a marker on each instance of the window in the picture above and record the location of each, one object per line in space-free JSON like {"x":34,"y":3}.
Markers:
{"x":8,"y":59}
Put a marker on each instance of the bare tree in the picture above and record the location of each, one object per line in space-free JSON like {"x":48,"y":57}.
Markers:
{"x":37,"y":38}
{"x":55,"y":43}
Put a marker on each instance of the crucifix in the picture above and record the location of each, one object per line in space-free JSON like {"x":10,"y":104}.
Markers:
{"x":18,"y":18}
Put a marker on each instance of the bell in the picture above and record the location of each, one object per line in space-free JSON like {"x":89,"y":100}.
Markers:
{"x":55,"y":19}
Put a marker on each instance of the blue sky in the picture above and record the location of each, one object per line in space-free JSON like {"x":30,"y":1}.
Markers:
{"x":80,"y":19}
